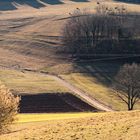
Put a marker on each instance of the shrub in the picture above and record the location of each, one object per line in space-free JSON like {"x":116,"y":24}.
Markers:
{"x":8,"y":108}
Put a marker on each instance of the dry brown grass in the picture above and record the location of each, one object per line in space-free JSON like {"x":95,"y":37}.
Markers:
{"x":99,"y":126}
{"x":24,"y":33}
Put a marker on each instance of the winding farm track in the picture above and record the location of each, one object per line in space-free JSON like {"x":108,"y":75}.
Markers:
{"x":83,"y":95}
{"x":76,"y":91}
{"x":29,"y":36}
{"x":79,"y":93}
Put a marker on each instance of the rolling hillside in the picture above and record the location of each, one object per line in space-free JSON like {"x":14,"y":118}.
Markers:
{"x":32,"y":66}
{"x":30,"y":38}
{"x":80,"y":126}
{"x":30,"y":30}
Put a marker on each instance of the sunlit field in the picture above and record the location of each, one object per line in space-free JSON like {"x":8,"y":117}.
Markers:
{"x":96,"y":80}
{"x":87,"y":126}
{"x":28,"y":118}
{"x":30,"y":83}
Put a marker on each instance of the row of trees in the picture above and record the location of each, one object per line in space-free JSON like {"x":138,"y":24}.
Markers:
{"x":109,"y":30}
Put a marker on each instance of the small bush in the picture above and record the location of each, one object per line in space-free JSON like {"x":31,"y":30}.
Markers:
{"x":8,"y":108}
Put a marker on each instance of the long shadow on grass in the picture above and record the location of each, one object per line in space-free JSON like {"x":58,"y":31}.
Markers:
{"x":6,"y":5}
{"x":52,"y":2}
{"x":80,"y":0}
{"x":105,"y":71}
{"x":129,"y":1}
{"x":52,"y":103}
{"x":11,"y":4}
{"x":102,"y":71}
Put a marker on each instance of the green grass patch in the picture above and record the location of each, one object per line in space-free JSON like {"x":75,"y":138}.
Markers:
{"x":28,"y":82}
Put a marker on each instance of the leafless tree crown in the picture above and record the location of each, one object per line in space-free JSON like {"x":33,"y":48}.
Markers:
{"x":127,"y":85}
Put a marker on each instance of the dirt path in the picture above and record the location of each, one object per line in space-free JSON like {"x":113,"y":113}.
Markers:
{"x":78,"y":92}
{"x":83,"y":95}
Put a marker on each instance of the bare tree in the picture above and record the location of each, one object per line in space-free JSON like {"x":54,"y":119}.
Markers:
{"x":84,"y":30}
{"x":127,"y":85}
{"x":109,"y":30}
{"x":8,"y":108}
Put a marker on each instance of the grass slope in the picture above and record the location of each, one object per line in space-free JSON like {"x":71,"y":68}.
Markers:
{"x":29,"y":36}
{"x":81,"y":126}
{"x":30,"y":83}
{"x":97,"y":82}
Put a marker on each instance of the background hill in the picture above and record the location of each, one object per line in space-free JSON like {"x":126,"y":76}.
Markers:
{"x":30,"y":31}
{"x":14,"y":4}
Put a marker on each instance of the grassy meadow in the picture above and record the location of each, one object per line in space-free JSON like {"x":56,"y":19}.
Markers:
{"x":95,"y":89}
{"x":96,"y":80}
{"x":72,"y":126}
{"x":30,"y":83}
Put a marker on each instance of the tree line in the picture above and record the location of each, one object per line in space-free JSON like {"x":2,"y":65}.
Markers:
{"x":109,"y":30}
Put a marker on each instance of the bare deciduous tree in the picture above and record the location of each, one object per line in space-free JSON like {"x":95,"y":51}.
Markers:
{"x":8,"y":108}
{"x":127,"y":85}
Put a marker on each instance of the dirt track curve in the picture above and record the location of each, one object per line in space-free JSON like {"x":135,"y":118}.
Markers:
{"x":78,"y":92}
{"x":81,"y":94}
